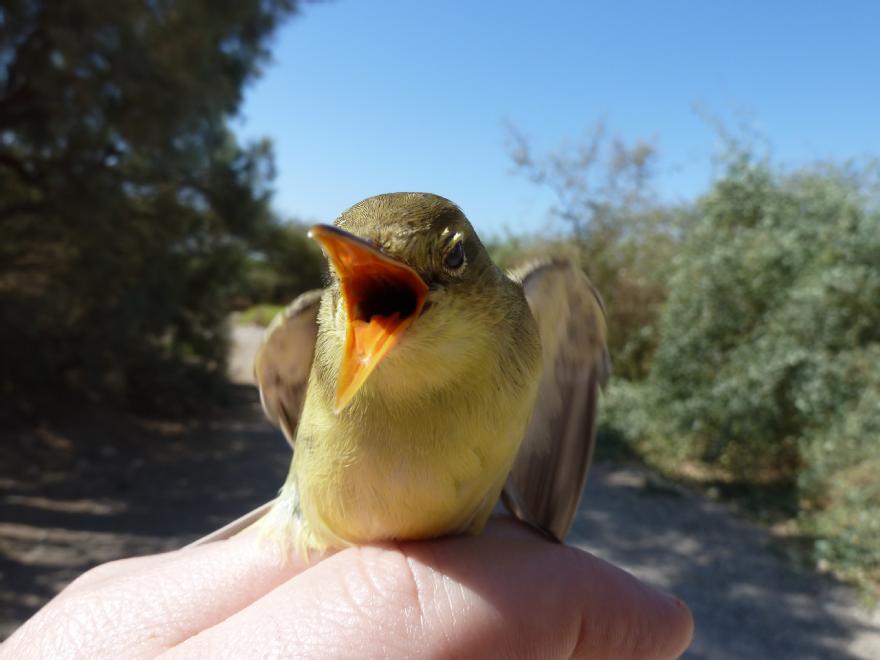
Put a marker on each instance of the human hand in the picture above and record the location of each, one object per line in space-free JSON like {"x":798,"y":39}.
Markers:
{"x":507,"y":592}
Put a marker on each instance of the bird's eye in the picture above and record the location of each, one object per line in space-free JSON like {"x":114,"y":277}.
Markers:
{"x":455,"y":258}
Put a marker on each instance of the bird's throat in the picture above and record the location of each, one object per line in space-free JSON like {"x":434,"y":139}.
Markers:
{"x":382,"y":297}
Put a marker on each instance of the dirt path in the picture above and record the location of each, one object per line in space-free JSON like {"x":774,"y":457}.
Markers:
{"x":95,"y":492}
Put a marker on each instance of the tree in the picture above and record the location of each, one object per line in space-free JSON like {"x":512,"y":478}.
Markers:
{"x":126,"y":205}
{"x":623,"y":237}
{"x":285,"y":263}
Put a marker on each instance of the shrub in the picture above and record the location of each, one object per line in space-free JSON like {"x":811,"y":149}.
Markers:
{"x":769,"y":358}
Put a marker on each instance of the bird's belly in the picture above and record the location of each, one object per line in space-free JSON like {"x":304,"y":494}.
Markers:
{"x":402,"y":488}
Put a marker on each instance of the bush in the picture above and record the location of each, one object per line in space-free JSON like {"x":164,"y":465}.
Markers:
{"x":262,"y":314}
{"x":622,"y":236}
{"x":769,"y":358}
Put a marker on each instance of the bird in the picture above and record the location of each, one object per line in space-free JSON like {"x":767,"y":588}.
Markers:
{"x":423,"y":384}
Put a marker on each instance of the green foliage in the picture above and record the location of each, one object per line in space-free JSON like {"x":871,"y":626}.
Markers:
{"x":622,"y":236}
{"x":841,"y":462}
{"x":771,"y":313}
{"x":127,"y":208}
{"x":284,"y":263}
{"x":769,"y":357}
{"x":259,"y":314}
{"x":511,"y":250}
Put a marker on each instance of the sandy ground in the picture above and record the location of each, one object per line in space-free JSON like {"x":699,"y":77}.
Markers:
{"x":146,"y":487}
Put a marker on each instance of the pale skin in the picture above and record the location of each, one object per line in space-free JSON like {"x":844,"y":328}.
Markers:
{"x":506,"y":593}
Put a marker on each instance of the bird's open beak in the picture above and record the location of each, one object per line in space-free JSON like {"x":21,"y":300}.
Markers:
{"x":382,"y":295}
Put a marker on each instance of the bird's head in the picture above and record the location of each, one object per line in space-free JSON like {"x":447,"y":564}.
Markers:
{"x":410,"y":284}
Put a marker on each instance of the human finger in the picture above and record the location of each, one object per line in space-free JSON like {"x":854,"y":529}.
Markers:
{"x":506,"y":593}
{"x":143,"y":608}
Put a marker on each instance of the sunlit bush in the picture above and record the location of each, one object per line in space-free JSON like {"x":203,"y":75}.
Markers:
{"x":769,"y":355}
{"x":623,"y":237}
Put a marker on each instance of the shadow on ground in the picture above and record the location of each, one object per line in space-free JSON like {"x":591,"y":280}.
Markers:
{"x":87,"y":491}
{"x":747,"y":600}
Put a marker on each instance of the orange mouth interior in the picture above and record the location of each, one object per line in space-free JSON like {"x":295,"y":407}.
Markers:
{"x":382,"y":297}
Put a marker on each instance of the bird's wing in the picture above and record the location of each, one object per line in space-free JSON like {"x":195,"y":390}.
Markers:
{"x":284,"y":361}
{"x":231,"y":529}
{"x":281,"y":369}
{"x":545,"y":484}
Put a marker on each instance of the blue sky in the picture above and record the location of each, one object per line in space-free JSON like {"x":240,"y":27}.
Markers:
{"x":370,"y":97}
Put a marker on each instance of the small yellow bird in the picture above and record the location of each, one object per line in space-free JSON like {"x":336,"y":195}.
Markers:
{"x":423,"y":382}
